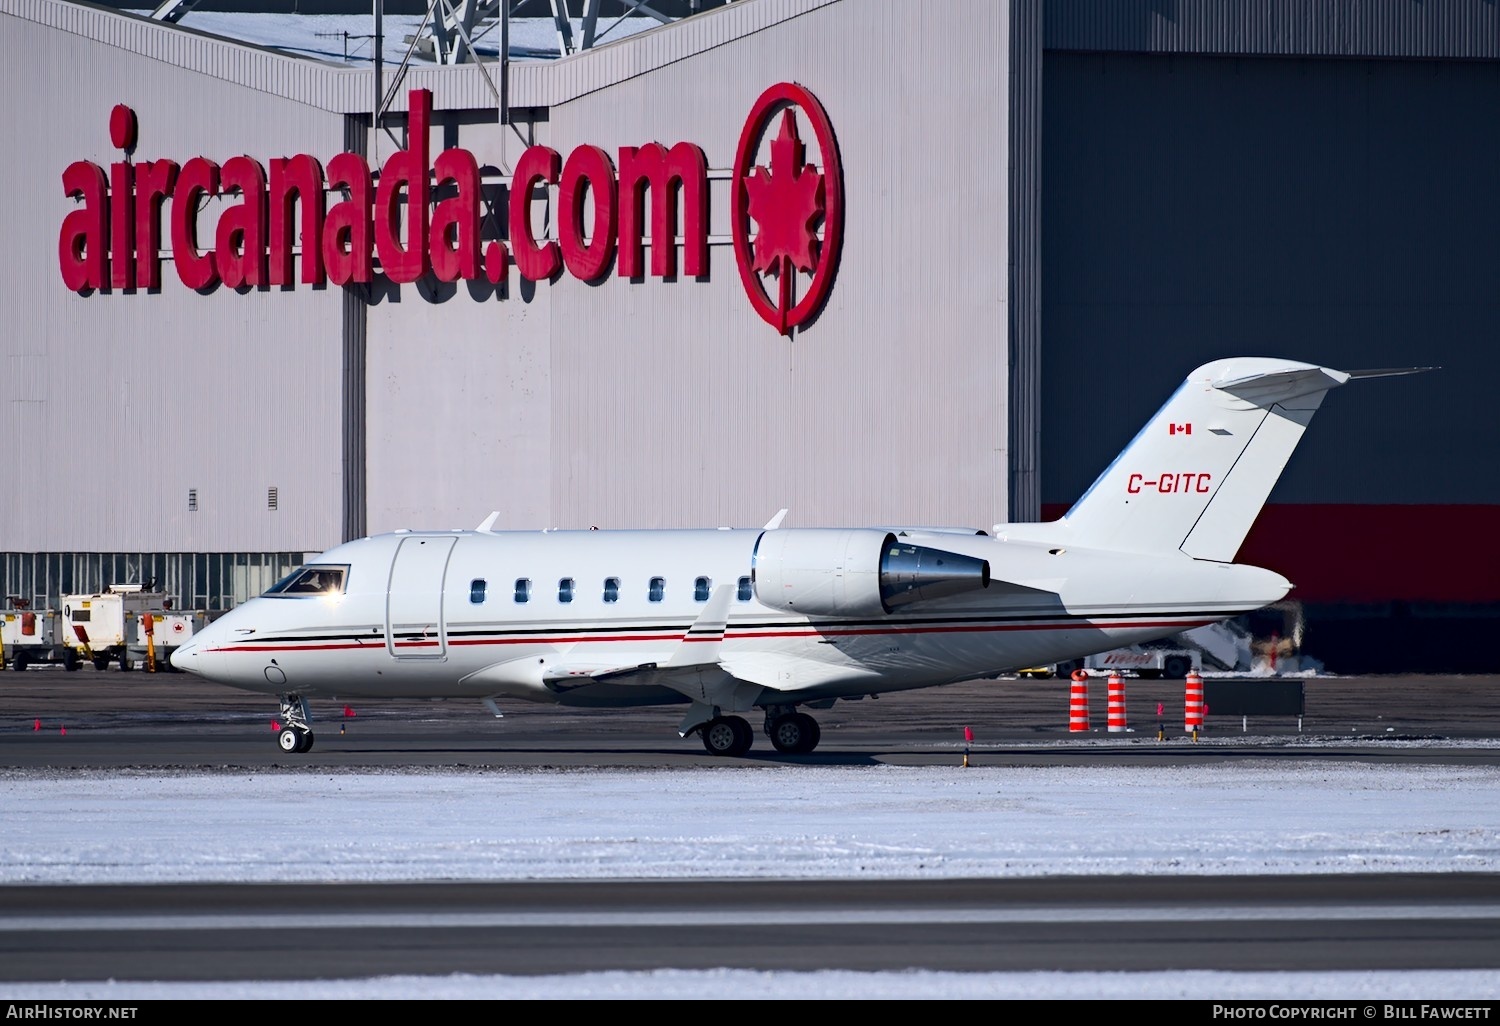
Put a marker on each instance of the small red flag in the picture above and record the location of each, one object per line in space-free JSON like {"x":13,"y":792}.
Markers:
{"x":968,"y":734}
{"x":348,"y":710}
{"x":275,"y":726}
{"x":1158,"y":708}
{"x":38,"y":725}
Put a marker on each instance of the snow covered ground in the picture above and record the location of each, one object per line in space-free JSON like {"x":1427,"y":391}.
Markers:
{"x":822,"y":822}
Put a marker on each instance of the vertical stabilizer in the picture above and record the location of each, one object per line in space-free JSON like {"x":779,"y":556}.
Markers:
{"x":1198,"y":473}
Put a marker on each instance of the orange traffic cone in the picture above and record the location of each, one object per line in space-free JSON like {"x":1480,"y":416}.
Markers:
{"x":1078,"y":702}
{"x":1117,"y":703}
{"x":1193,"y":720}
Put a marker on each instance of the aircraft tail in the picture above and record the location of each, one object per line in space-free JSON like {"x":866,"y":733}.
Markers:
{"x":1196,"y":476}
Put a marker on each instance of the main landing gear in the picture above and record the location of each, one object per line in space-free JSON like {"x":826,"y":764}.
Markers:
{"x":792,"y":733}
{"x":295,"y":734}
{"x":727,"y":735}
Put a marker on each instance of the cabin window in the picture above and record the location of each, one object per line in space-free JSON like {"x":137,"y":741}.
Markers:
{"x":611,"y":589}
{"x":658,"y":589}
{"x":744,"y":592}
{"x":309,"y":581}
{"x":565,"y":590}
{"x":701,"y":588}
{"x":523,"y":589}
{"x":476,"y":590}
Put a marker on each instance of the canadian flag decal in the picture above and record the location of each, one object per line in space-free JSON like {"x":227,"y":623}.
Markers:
{"x":1180,"y":429}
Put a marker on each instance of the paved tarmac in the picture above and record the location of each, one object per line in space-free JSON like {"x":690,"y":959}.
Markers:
{"x":49,"y":717}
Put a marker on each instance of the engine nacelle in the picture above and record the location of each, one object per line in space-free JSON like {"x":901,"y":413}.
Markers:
{"x":856,"y":572}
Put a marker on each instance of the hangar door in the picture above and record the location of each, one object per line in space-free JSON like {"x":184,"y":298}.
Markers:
{"x":1339,"y":211}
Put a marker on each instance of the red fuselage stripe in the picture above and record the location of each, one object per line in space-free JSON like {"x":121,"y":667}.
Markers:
{"x":801,"y":632}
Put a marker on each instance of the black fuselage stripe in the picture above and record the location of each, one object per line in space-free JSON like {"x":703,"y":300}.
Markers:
{"x":670,"y":631}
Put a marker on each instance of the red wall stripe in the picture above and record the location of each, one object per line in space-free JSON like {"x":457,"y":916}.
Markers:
{"x":1376,"y":553}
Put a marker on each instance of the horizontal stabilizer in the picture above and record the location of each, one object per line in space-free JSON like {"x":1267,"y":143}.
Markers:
{"x":1391,"y":372}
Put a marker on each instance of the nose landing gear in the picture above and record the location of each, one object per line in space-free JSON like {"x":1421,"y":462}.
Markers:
{"x":295,"y":734}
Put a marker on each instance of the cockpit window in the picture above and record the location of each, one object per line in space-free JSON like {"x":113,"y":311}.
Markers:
{"x":311,"y":580}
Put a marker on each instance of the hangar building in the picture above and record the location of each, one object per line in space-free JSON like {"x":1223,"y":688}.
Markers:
{"x":237,"y":331}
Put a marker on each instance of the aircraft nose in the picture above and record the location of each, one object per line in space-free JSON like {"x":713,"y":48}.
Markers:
{"x":182,"y":656}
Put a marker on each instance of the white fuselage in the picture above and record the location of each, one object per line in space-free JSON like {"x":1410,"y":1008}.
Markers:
{"x":538,"y":615}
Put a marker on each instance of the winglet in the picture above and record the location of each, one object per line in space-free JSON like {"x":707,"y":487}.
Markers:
{"x":704,"y":638}
{"x":488,"y":526}
{"x":775,"y":521}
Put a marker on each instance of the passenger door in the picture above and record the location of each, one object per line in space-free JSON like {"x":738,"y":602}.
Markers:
{"x":415,"y":627}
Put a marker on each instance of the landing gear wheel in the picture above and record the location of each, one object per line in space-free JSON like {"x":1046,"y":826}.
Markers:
{"x":294,"y":739}
{"x":795,"y":734}
{"x":727,"y":735}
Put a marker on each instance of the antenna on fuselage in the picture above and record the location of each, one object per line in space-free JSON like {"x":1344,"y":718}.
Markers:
{"x":488,"y":527}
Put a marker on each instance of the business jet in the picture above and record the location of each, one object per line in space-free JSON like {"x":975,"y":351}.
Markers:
{"x":734,"y":622}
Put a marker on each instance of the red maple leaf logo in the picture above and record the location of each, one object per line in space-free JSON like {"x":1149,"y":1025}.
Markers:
{"x":787,"y":204}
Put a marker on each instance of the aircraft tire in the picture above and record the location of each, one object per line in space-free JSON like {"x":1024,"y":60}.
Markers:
{"x":306,"y":742}
{"x":786,"y":733}
{"x":289,"y":740}
{"x":727,"y":735}
{"x":811,"y":733}
{"x":795,"y":734}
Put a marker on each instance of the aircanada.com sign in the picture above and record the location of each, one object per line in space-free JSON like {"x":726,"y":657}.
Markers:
{"x":422,"y":216}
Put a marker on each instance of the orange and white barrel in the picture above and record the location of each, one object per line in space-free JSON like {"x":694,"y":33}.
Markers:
{"x":1078,"y":702}
{"x":1117,"y":723}
{"x":1193,"y":721}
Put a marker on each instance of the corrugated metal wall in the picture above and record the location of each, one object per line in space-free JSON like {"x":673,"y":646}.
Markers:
{"x":667,"y":403}
{"x":1337,"y":211}
{"x":684,"y":407}
{"x":115,"y":405}
{"x":1456,"y":29}
{"x":1024,"y":271}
